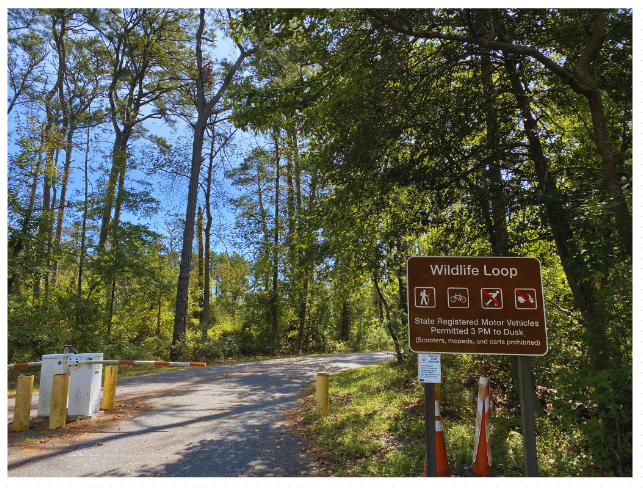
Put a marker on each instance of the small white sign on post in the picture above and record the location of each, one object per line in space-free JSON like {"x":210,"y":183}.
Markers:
{"x":429,"y":368}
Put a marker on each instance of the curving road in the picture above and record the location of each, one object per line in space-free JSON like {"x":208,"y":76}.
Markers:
{"x":216,"y":421}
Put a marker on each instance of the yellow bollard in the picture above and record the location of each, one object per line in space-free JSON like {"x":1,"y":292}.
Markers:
{"x":58,"y":408}
{"x":322,"y":394}
{"x":22,"y":408}
{"x":109,"y":388}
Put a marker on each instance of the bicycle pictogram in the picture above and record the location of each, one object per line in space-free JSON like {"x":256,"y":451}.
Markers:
{"x":458,"y":297}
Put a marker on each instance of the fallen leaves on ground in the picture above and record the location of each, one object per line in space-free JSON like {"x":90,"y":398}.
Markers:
{"x":77,"y":428}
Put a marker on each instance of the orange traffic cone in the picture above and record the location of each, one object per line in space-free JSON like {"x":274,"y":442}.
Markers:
{"x":440,"y":448}
{"x":482,"y":444}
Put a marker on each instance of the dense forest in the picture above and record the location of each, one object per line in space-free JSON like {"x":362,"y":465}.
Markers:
{"x":201,"y":184}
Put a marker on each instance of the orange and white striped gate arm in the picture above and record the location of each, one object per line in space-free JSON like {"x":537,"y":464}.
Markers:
{"x":141,"y":363}
{"x":24,"y":365}
{"x":115,"y":361}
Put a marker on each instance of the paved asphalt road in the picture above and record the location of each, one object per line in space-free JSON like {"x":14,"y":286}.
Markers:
{"x":216,"y":421}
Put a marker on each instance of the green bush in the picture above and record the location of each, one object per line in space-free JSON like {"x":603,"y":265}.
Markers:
{"x":226,"y":346}
{"x":370,"y":335}
{"x":126,"y":350}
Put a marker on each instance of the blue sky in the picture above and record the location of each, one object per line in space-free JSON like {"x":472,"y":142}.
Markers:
{"x":171,"y":202}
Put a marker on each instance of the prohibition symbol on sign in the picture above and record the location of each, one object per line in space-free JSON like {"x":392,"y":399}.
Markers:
{"x":491,"y":298}
{"x":525,"y":298}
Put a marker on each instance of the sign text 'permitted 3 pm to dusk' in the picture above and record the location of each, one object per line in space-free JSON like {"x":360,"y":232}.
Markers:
{"x":476,"y":305}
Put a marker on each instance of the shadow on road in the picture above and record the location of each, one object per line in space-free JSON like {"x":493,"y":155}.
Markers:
{"x":216,"y":421}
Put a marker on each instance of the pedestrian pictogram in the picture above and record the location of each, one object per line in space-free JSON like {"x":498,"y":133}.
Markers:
{"x":525,"y":298}
{"x":458,"y":297}
{"x":491,"y":298}
{"x":425,"y":297}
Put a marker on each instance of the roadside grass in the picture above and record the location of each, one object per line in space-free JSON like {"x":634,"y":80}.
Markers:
{"x":375,"y":423}
{"x":38,"y":440}
{"x":375,"y":428}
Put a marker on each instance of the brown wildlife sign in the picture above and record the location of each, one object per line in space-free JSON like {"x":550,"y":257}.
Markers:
{"x":476,"y":305}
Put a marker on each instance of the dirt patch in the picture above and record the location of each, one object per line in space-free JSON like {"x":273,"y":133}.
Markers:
{"x":415,"y":408}
{"x":39,"y":437}
{"x":295,"y":422}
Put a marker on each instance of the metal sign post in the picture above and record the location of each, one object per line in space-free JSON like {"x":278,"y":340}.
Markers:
{"x":479,"y":305}
{"x":430,"y":373}
{"x":527,"y":414}
{"x":429,"y":431}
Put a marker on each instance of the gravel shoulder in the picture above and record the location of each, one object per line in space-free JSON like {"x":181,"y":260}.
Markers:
{"x":218,"y":421}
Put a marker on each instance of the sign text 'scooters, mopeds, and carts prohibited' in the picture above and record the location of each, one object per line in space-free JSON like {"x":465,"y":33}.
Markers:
{"x":476,"y":305}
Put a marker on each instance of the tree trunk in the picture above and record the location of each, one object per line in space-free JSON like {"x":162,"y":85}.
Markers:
{"x":82,"y":236}
{"x":346,"y":320}
{"x":204,"y":110}
{"x":264,"y":226}
{"x":290,"y":187}
{"x":559,"y":221}
{"x":586,"y":85}
{"x":111,"y":306}
{"x":303,"y":305}
{"x":119,"y":162}
{"x":180,"y":316}
{"x":117,"y":216}
{"x":495,"y":197}
{"x":114,"y":244}
{"x":398,"y":350}
{"x":158,"y":314}
{"x":401,"y":289}
{"x":275,"y":252}
{"x":26,"y":223}
{"x":610,"y":170}
{"x":63,"y":195}
{"x":199,"y":237}
{"x":556,"y":217}
{"x":306,"y":268}
{"x":45,"y":228}
{"x":205,"y":318}
{"x":494,"y":194}
{"x":59,"y":39}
